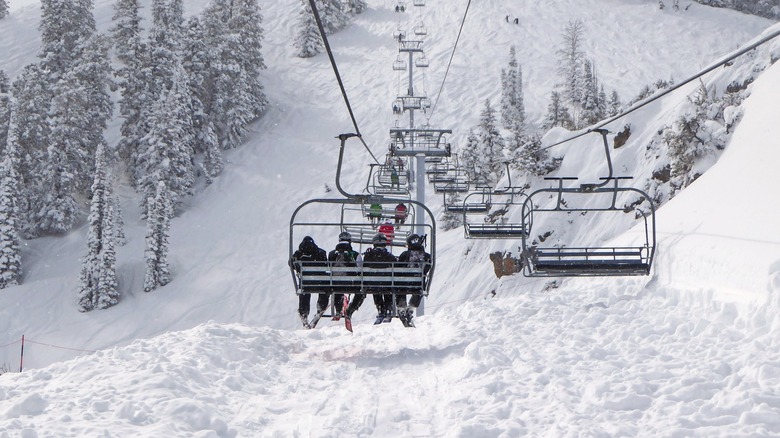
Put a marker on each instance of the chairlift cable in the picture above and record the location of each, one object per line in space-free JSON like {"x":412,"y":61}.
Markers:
{"x":338,"y":76}
{"x":644,"y":103}
{"x":452,"y":55}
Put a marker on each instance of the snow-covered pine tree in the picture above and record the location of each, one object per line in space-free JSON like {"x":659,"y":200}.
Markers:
{"x":196,"y":65}
{"x":79,"y":114}
{"x":589,"y":101}
{"x":245,"y":24}
{"x":5,"y":108}
{"x":28,"y":137}
{"x":512,"y":106}
{"x":126,"y":31}
{"x":64,"y":25}
{"x":166,"y":150}
{"x":571,"y":56}
{"x":157,"y":235}
{"x":307,"y":36}
{"x":165,"y":37}
{"x":484,"y":149}
{"x":614,"y":105}
{"x":602,"y":103}
{"x":3,"y":9}
{"x":557,"y":113}
{"x":532,"y":159}
{"x":357,"y":6}
{"x":98,"y":287}
{"x":91,"y":74}
{"x":10,"y":248}
{"x":134,"y":78}
{"x":332,"y":14}
{"x":119,"y":222}
{"x":234,"y":34}
{"x":451,"y":220}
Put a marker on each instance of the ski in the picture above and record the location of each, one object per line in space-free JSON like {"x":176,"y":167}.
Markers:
{"x":406,"y":318}
{"x":304,"y":321}
{"x":348,"y":323}
{"x":316,"y":319}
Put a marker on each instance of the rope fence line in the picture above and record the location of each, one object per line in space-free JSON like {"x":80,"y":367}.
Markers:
{"x":24,"y":340}
{"x":28,"y":340}
{"x":61,"y":347}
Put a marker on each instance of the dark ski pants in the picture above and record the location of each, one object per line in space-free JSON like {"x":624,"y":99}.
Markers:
{"x":304,"y":303}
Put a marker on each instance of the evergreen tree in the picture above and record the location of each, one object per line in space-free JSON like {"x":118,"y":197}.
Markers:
{"x":590,"y":105}
{"x":157,"y":235}
{"x":28,"y":137}
{"x":126,"y":31}
{"x":10,"y":248}
{"x":614,"y":105}
{"x":484,"y":149}
{"x":571,"y":57}
{"x":451,"y":220}
{"x":196,"y":65}
{"x":98,"y":284}
{"x":119,"y":223}
{"x":332,"y":14}
{"x":532,"y":159}
{"x":64,"y":25}
{"x":5,"y":108}
{"x":79,"y":114}
{"x":91,"y":77}
{"x":133,"y":56}
{"x":166,"y":152}
{"x":357,"y":6}
{"x":557,"y":113}
{"x":236,"y":96}
{"x":307,"y":38}
{"x":3,"y":9}
{"x":602,"y":103}
{"x":512,"y":106}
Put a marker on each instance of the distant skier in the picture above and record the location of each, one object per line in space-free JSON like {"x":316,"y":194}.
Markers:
{"x":400,"y":213}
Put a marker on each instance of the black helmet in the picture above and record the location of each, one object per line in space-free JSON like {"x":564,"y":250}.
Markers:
{"x":345,"y":237}
{"x":413,"y":240}
{"x":379,"y":240}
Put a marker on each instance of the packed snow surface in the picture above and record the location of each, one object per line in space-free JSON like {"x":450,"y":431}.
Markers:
{"x":691,"y":350}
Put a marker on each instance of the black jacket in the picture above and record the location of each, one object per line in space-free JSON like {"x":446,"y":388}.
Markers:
{"x":378,"y":258}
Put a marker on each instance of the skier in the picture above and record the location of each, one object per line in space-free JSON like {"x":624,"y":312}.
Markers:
{"x":400,"y":213}
{"x":414,"y":256}
{"x":376,"y":257}
{"x":375,"y":214}
{"x":343,"y":256}
{"x":388,"y":230}
{"x":395,"y":181}
{"x":308,"y":252}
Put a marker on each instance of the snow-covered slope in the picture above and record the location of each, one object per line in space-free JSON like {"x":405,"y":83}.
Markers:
{"x":663,"y":355}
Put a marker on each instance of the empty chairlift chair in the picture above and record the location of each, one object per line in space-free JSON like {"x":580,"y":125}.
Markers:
{"x":496,"y":222}
{"x":587,"y":207}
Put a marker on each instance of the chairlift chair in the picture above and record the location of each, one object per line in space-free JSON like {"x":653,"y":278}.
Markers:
{"x":497,"y":207}
{"x":474,"y":203}
{"x":592,"y":202}
{"x":325,"y":219}
{"x":315,"y":218}
{"x":399,"y":65}
{"x":420,"y":30}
